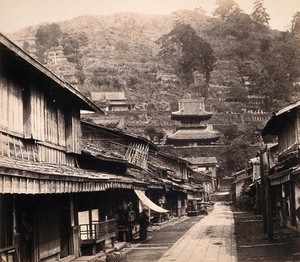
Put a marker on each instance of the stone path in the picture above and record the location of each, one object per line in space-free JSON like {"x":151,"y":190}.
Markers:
{"x":211,"y":239}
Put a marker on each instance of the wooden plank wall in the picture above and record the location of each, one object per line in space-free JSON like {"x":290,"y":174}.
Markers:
{"x":73,"y":132}
{"x":288,"y":136}
{"x":11,"y":97}
{"x":30,"y":113}
{"x":11,"y":146}
{"x":51,"y":155}
{"x":15,"y":147}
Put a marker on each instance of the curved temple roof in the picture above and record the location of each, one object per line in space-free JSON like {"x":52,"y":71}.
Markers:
{"x":183,"y":115}
{"x":201,"y":135}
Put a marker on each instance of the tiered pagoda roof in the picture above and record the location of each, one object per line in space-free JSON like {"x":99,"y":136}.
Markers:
{"x":200,"y":135}
{"x":191,"y":112}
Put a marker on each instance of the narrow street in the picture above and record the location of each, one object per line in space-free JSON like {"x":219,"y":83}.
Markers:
{"x":209,"y":239}
{"x":160,"y":240}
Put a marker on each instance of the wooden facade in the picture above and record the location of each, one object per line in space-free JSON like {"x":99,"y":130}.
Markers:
{"x":40,"y":140}
{"x":48,"y":174}
{"x":282,"y":172}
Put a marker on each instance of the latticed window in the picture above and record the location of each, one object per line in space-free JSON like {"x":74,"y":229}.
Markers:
{"x":137,"y":154}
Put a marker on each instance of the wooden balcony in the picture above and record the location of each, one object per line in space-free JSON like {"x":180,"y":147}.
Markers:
{"x":93,"y":236}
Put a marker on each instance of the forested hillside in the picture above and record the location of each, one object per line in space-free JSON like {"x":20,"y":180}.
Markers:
{"x":244,"y":69}
{"x":120,"y":52}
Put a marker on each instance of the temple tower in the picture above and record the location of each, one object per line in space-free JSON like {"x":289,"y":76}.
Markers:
{"x":192,"y":132}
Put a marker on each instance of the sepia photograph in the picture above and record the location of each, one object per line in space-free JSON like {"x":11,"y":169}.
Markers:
{"x":149,"y":130}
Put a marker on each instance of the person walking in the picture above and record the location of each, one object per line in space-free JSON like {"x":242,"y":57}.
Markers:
{"x":144,"y":223}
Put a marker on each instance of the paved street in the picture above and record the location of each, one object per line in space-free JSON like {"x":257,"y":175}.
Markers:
{"x":161,"y":238}
{"x":211,"y":239}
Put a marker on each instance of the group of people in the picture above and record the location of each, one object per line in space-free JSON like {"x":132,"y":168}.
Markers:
{"x":126,"y":219}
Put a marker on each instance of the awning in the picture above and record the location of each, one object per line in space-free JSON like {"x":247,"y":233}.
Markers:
{"x":147,"y":202}
{"x":19,"y":176}
{"x":281,"y":177}
{"x":280,"y":180}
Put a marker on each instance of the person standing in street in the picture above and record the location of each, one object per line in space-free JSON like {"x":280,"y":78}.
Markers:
{"x":144,"y":223}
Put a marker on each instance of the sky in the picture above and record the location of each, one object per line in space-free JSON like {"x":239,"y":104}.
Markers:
{"x":17,"y":14}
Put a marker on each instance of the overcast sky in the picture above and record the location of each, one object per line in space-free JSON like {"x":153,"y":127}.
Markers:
{"x":16,"y":14}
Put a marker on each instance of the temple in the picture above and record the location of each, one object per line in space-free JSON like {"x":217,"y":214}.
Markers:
{"x":191,"y":132}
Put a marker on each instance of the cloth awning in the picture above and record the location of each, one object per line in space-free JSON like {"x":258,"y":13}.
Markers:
{"x":147,"y":202}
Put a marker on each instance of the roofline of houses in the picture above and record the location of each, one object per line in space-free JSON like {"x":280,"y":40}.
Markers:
{"x":119,"y":131}
{"x":270,"y":128}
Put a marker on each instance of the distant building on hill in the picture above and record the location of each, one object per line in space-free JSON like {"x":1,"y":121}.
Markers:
{"x":112,"y":101}
{"x":191,"y":133}
{"x":167,"y":78}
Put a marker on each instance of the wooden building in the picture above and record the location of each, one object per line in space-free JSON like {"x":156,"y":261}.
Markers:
{"x":209,"y":166}
{"x":241,"y":180}
{"x":44,"y":212}
{"x":284,"y":176}
{"x":192,"y":132}
{"x":166,"y":176}
{"x":112,"y":101}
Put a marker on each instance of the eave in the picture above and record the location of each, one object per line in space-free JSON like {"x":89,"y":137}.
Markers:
{"x":121,"y":133}
{"x":275,"y":124}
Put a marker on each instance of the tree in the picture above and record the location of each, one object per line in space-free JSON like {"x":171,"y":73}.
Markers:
{"x":295,"y":28}
{"x":231,"y":132}
{"x":259,"y":14}
{"x":150,"y":132}
{"x":72,"y":45}
{"x":237,"y":155}
{"x":47,"y":37}
{"x":225,"y":8}
{"x":238,"y":93}
{"x":187,"y":52}
{"x":244,"y":49}
{"x":239,"y":25}
{"x":160,"y":134}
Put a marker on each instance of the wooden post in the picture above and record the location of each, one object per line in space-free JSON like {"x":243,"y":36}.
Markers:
{"x":90,"y":216}
{"x":269,"y":209}
{"x":258,"y":197}
{"x":268,"y":199}
{"x":263,"y":192}
{"x":292,"y":203}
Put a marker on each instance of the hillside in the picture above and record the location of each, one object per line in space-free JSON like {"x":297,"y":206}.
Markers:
{"x":119,"y":52}
{"x":122,"y":42}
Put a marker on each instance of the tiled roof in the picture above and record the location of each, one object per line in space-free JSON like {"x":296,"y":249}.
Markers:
{"x":201,"y":160}
{"x":28,"y":177}
{"x":195,"y":134}
{"x":98,"y":151}
{"x":97,"y":96}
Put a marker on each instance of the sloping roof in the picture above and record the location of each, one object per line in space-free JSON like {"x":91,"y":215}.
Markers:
{"x":98,"y":151}
{"x":22,"y":176}
{"x":191,"y":108}
{"x":120,"y":133}
{"x":201,"y":160}
{"x":169,"y":156}
{"x":17,"y":56}
{"x":199,"y":114}
{"x":195,"y":135}
{"x":98,"y":96}
{"x":274,"y":125}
